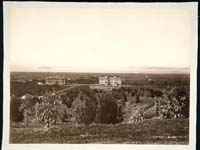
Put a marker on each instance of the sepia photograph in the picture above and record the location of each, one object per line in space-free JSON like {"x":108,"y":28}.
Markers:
{"x":100,"y":73}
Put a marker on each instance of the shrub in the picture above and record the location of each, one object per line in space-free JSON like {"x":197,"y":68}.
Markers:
{"x":85,"y":107}
{"x":50,"y":110}
{"x":15,"y":114}
{"x":174,"y":105}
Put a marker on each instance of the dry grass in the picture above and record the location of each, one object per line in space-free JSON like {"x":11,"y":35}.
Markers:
{"x":152,"y":131}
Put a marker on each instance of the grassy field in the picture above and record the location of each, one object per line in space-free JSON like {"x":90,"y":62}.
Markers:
{"x":127,"y":76}
{"x":152,"y":131}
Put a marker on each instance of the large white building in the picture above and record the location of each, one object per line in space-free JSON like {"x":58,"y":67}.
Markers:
{"x":113,"y":81}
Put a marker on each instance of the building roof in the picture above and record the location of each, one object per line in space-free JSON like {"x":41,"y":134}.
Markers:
{"x":55,"y":77}
{"x":109,"y":76}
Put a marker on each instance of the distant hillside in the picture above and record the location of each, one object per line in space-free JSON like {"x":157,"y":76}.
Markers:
{"x":162,"y":70}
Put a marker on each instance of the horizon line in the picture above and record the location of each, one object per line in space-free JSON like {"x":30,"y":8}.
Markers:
{"x":144,"y":69}
{"x":136,"y":72}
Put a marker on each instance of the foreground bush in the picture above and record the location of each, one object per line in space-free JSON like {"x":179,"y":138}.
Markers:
{"x":175,"y":104}
{"x":49,"y":111}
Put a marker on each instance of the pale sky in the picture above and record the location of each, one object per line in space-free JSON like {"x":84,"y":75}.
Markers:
{"x":99,"y":37}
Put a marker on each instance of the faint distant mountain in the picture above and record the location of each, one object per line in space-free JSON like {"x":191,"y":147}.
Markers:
{"x":163,"y":70}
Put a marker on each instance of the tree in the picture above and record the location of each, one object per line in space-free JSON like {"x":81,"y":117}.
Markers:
{"x":15,"y":114}
{"x":85,"y":107}
{"x":108,"y":110}
{"x":67,"y":101}
{"x":47,"y":114}
{"x":50,"y":110}
{"x":27,"y":108}
{"x":174,"y":104}
{"x":137,"y":97}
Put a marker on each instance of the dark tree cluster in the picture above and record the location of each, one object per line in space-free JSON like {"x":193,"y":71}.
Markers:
{"x":96,"y":106}
{"x":108,"y":110}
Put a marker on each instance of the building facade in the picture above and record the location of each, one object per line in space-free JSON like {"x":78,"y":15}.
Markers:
{"x":55,"y":80}
{"x":103,"y":80}
{"x":113,"y":81}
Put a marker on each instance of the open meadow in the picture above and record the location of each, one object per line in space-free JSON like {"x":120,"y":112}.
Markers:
{"x":153,"y":131}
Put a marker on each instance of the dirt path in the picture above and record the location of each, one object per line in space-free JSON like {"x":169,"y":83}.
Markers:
{"x":67,"y":89}
{"x":133,"y":110}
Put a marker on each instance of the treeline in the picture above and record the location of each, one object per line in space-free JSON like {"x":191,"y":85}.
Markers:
{"x":86,"y":106}
{"x":21,"y":88}
{"x":158,"y":82}
{"x":89,"y":80}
